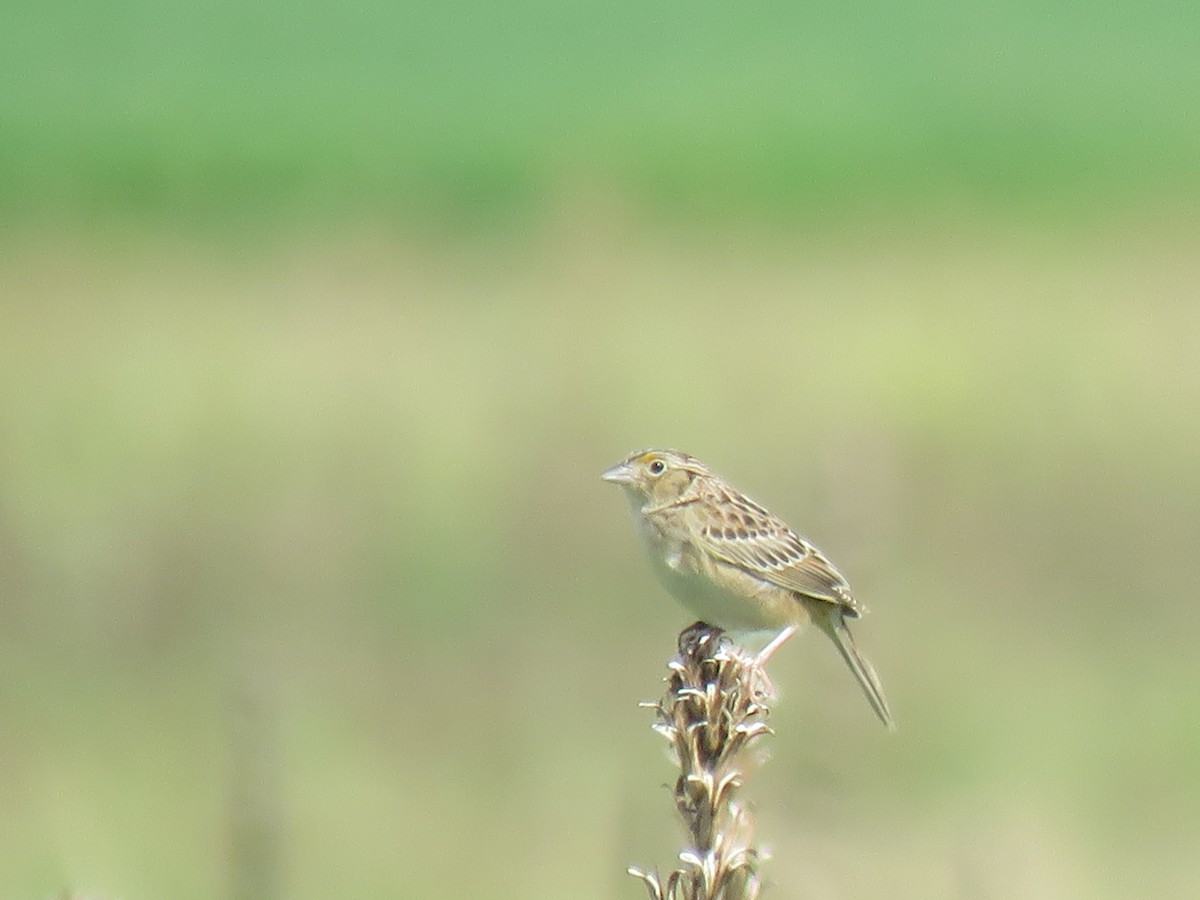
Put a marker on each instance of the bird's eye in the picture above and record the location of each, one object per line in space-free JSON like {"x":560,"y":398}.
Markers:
{"x":657,"y":467}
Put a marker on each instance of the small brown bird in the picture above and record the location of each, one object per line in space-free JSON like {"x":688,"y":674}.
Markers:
{"x":734,"y":564}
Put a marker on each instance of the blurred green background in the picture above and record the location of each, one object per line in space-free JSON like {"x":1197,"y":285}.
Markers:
{"x":317,"y":323}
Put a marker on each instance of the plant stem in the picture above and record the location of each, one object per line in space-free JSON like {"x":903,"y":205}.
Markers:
{"x":714,"y":708}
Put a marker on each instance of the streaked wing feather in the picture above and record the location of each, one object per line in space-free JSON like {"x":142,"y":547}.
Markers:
{"x":747,"y":535}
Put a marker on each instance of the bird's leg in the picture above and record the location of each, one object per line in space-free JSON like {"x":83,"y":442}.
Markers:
{"x":776,"y":642}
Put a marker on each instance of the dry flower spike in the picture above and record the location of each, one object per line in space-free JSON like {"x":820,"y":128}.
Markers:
{"x":713,"y":711}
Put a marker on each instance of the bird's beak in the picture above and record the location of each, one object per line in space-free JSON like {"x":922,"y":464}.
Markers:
{"x":621,"y":473}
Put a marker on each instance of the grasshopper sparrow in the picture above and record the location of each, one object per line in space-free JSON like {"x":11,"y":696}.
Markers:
{"x":732,"y":563}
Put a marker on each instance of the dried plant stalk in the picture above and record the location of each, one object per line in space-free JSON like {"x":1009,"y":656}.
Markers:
{"x":713,"y":710}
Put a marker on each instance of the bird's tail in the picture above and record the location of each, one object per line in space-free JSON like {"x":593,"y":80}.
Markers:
{"x":834,"y":625}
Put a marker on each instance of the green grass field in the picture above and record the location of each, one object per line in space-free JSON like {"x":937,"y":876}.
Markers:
{"x":318,"y":323}
{"x":327,"y":522}
{"x":464,"y":112}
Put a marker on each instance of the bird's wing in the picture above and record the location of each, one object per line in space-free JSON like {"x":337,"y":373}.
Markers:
{"x":744,"y":534}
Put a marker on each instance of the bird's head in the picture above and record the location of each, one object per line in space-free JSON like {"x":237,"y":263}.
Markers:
{"x":655,"y":477}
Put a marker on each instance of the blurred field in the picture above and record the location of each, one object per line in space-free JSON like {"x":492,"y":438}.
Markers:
{"x":462,"y":112}
{"x":331,"y":513}
{"x":317,"y":323}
